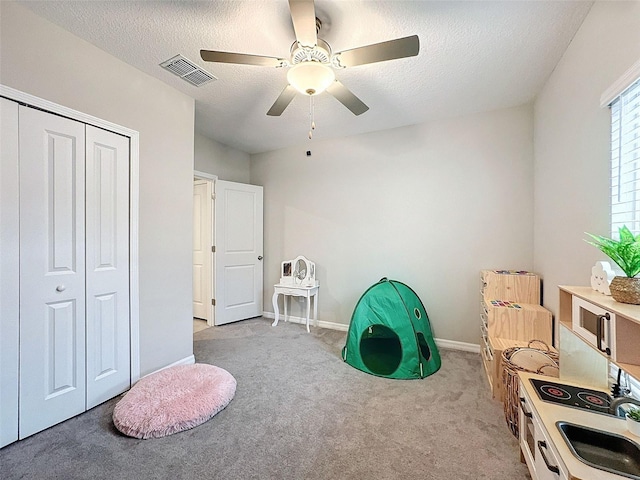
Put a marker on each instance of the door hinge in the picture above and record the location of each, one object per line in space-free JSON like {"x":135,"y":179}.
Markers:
{"x":213,"y":302}
{"x":213,"y":249}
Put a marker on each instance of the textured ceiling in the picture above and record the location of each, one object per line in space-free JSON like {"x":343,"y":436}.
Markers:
{"x":474,"y":56}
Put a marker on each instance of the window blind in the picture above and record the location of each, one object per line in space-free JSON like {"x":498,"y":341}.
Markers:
{"x":625,"y":160}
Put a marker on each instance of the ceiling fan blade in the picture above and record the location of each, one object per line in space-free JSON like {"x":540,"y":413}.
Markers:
{"x":303,"y":15}
{"x":241,"y":58}
{"x":282,"y":101}
{"x":348,"y":99}
{"x":380,"y":52}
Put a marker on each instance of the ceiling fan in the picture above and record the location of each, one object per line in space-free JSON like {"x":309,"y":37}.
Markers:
{"x":312,"y":63}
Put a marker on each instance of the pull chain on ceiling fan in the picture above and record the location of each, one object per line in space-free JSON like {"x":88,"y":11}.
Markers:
{"x":312,"y":62}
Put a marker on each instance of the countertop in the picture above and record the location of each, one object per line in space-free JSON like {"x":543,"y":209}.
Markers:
{"x":551,"y":413}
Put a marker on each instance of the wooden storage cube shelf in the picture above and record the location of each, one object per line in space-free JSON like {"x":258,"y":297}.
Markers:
{"x":523,"y":287}
{"x":510,"y":316}
{"x":493,"y":363}
{"x":522,"y":322}
{"x":489,"y":363}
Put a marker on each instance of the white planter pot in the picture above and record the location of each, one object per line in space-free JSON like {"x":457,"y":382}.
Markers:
{"x":633,"y":426}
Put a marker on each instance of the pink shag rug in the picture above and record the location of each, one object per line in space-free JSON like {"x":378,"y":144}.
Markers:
{"x":173,"y":400}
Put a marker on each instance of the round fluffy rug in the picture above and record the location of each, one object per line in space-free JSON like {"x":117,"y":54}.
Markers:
{"x":173,"y":400}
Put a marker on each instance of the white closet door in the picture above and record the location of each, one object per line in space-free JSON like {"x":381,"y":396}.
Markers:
{"x":107,"y":264}
{"x":52,"y":270}
{"x":9,"y":272}
{"x":202,"y":242}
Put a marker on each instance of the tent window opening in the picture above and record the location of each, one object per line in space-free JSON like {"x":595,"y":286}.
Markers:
{"x":381,"y":349}
{"x":424,"y":348}
{"x":625,"y":160}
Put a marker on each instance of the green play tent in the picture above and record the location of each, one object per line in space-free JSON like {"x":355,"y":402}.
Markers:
{"x":390,"y":334}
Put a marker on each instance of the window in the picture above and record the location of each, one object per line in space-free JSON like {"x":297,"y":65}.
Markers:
{"x":629,"y":384}
{"x":625,"y":160}
{"x":625,"y":169}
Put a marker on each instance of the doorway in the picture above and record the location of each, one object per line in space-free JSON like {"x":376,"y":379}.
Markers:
{"x":227,"y":251}
{"x":203,"y":250}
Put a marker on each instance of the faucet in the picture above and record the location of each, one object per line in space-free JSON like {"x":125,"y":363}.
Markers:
{"x":613,"y":408}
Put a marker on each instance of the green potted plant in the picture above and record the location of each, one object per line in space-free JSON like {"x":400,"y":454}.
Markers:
{"x":633,"y":420}
{"x":626,"y":254}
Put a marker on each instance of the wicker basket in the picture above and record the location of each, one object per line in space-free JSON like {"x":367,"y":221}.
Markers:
{"x":625,"y":290}
{"x":524,"y":359}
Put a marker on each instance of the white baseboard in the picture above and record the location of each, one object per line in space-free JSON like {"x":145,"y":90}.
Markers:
{"x":185,"y":361}
{"x":461,"y":346}
{"x":312,"y":323}
{"x":441,"y":343}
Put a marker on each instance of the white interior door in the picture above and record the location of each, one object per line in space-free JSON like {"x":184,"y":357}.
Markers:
{"x":107,"y":265}
{"x":52,"y":270}
{"x":238,"y":241}
{"x":9,"y":272}
{"x":202,"y":243}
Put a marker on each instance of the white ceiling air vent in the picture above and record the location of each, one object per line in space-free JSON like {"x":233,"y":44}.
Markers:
{"x":187,"y":70}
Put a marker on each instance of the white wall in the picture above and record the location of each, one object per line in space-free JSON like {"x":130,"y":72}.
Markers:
{"x":42,"y":59}
{"x":572,"y":145}
{"x":221,"y":160}
{"x":430,"y":205}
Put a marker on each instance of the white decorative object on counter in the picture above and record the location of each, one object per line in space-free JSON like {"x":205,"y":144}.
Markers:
{"x":601,"y":276}
{"x":633,"y":426}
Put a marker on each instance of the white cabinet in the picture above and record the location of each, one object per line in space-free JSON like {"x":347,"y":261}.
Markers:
{"x":540,"y":454}
{"x":68,"y":230}
{"x":611,"y":328}
{"x":548,"y":464}
{"x":528,"y":433}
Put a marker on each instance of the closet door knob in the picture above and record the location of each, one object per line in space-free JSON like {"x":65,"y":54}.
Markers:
{"x":259,"y":257}
{"x":60,"y":288}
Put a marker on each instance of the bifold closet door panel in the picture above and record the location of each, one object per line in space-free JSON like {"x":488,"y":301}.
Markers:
{"x":52,"y":269}
{"x":9,"y":272}
{"x":107,"y":264}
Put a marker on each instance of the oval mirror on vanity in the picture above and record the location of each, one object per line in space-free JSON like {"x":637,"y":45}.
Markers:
{"x":300,"y":271}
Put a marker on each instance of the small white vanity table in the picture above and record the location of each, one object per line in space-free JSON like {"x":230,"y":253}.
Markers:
{"x":297,"y":279}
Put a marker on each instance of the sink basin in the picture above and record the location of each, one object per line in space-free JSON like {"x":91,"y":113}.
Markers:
{"x":603,"y":450}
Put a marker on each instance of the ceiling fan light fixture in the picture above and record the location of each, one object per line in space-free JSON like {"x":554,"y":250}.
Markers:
{"x":310,"y":78}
